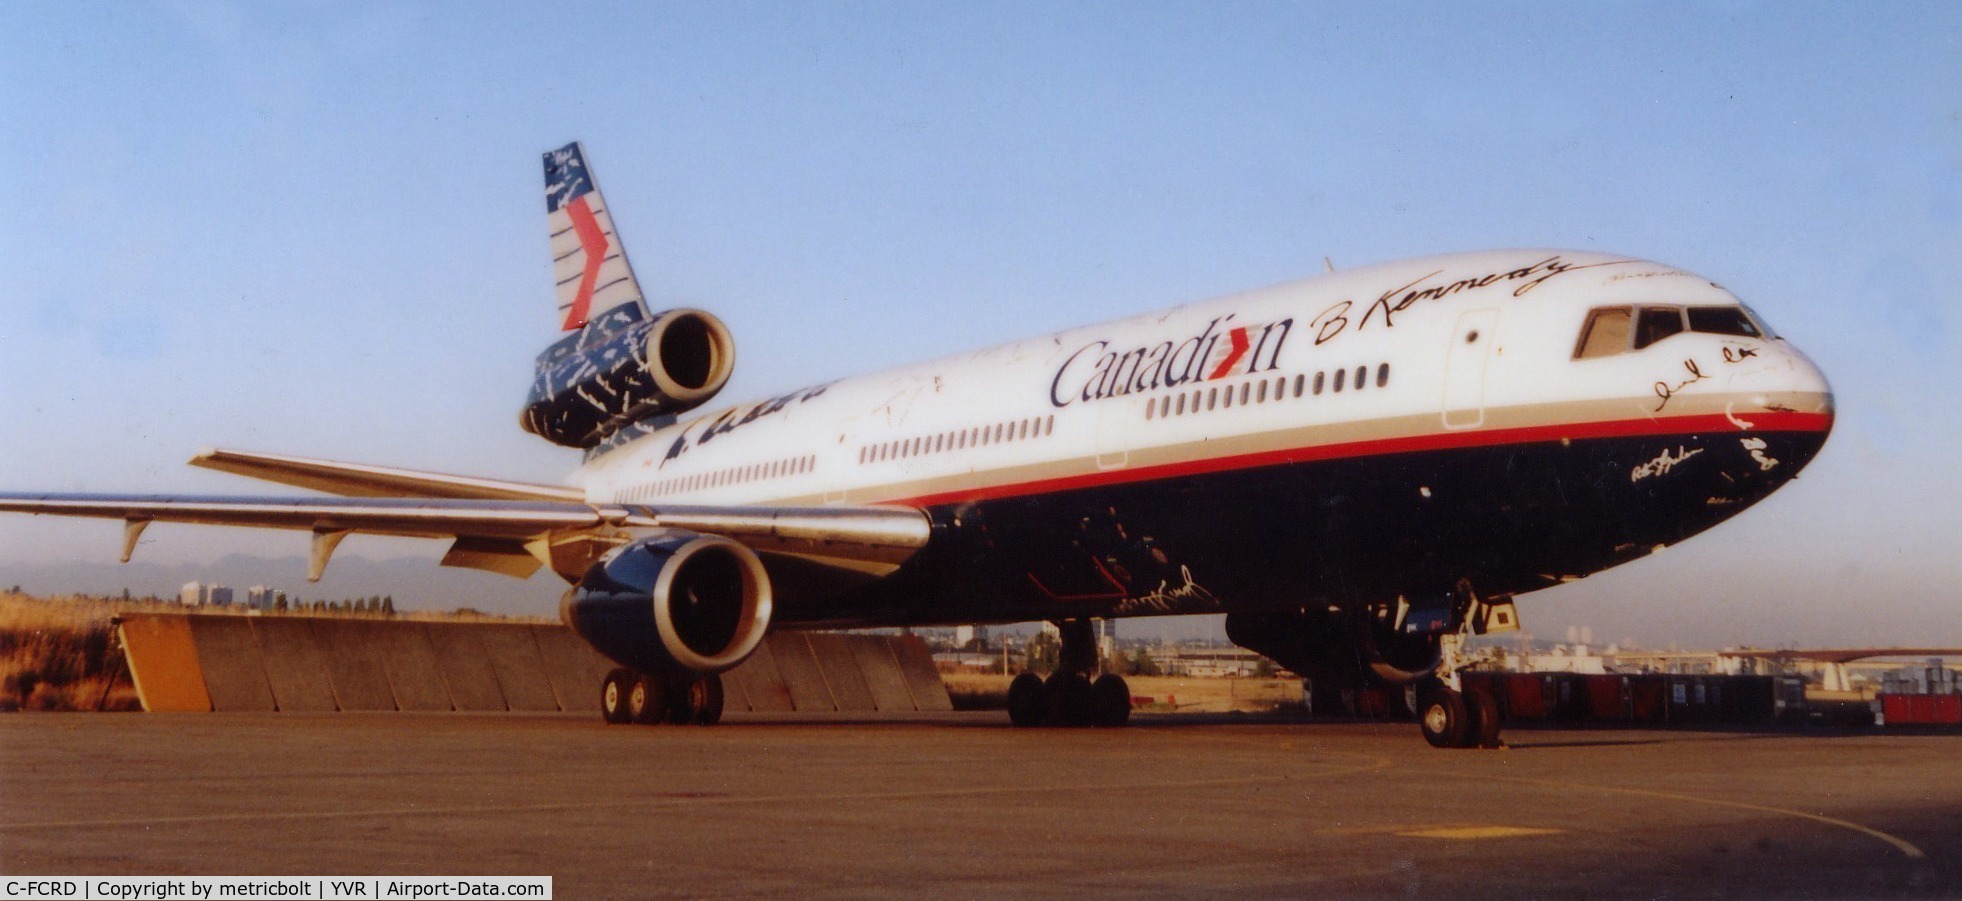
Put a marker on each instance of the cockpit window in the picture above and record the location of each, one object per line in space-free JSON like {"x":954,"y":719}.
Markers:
{"x":1606,"y":332}
{"x":1657,"y":323}
{"x":1722,"y":321}
{"x":1614,"y":330}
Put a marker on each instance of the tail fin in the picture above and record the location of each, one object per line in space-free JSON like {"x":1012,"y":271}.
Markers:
{"x":588,"y":263}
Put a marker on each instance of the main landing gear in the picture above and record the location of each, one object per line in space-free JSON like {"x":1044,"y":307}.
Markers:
{"x":680,"y":698}
{"x":1070,"y":697}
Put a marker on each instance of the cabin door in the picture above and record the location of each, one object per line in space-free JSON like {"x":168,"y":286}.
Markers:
{"x":1464,"y":368}
{"x":1114,"y":424}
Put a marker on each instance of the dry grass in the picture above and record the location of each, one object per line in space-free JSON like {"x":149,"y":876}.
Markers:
{"x":980,"y":691}
{"x":60,"y":653}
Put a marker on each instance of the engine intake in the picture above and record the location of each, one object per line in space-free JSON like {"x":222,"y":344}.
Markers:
{"x":623,"y":367}
{"x":679,"y":601}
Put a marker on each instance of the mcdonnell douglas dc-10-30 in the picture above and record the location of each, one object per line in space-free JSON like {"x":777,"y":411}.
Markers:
{"x":1361,"y":470}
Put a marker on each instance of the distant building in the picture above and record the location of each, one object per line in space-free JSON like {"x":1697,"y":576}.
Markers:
{"x":198,"y":594}
{"x":259,"y":597}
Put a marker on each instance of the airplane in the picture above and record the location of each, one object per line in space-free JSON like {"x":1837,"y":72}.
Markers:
{"x":1361,"y":470}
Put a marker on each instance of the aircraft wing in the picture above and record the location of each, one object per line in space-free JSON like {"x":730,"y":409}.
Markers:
{"x":363,"y":480}
{"x":515,"y":537}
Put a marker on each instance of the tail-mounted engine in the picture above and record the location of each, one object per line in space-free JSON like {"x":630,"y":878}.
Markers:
{"x":626,"y":366}
{"x":680,"y":601}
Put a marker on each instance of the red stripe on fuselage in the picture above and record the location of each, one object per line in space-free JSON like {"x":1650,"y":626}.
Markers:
{"x":593,"y":241}
{"x":1630,"y":428}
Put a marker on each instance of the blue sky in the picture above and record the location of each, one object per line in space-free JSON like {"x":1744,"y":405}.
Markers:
{"x":316,"y":227}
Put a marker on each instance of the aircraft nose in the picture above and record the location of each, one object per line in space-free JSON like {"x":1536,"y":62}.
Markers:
{"x":1781,"y":378}
{"x":1809,"y":382}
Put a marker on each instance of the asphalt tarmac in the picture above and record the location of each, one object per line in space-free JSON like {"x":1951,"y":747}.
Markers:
{"x":965,"y":805}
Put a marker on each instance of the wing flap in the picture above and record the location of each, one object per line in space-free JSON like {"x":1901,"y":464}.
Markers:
{"x":362,"y":480}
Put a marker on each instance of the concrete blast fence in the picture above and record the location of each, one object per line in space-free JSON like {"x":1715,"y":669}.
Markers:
{"x":207,"y":662}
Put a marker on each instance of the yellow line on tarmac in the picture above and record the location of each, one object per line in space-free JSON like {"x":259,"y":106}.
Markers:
{"x":1899,"y":844}
{"x":1461,"y":831}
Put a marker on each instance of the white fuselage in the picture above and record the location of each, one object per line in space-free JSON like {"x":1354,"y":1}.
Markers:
{"x":1457,"y":349}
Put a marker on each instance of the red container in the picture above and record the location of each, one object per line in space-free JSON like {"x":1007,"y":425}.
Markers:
{"x":1948,"y":709}
{"x":1900,"y":710}
{"x":1606,"y":698}
{"x":1648,"y":698}
{"x":1525,"y":696}
{"x":1373,"y":703}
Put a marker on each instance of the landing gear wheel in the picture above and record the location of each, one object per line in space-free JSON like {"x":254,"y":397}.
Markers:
{"x":1110,"y":701}
{"x":1442,"y":715}
{"x":1484,"y":731}
{"x":697,"y":701}
{"x":1027,"y":705}
{"x":646,"y":700}
{"x":613,"y":696}
{"x":1070,"y":698}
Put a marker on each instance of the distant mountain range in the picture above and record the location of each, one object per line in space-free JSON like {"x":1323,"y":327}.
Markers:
{"x":416,"y":583}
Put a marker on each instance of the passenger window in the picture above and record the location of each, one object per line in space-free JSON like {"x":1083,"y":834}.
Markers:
{"x":1382,"y":374}
{"x":1340,"y":374}
{"x":1721,"y":321}
{"x":1656,"y":323}
{"x":1318,"y":382}
{"x":1606,"y":333}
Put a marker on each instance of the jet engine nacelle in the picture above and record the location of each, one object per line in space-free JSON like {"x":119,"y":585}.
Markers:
{"x":680,"y":601}
{"x":623,"y":367}
{"x":1347,"y":647}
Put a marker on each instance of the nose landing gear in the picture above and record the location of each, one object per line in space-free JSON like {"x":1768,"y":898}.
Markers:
{"x":1450,"y":715}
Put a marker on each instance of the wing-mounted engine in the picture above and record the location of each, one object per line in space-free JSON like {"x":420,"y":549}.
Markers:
{"x":627,"y":366}
{"x":678,"y":601}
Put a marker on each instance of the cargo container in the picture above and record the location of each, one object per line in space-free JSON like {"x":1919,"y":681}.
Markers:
{"x":1525,"y":697}
{"x":1648,"y":698}
{"x":1921,"y":710}
{"x":1607,"y":698}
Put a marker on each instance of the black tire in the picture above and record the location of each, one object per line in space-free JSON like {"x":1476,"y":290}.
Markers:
{"x":1070,"y":699}
{"x":1484,"y":731}
{"x":1027,"y":704}
{"x":613,"y":696}
{"x":1110,"y":701}
{"x":646,"y":700}
{"x":1443,"y":717}
{"x":697,"y":701}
